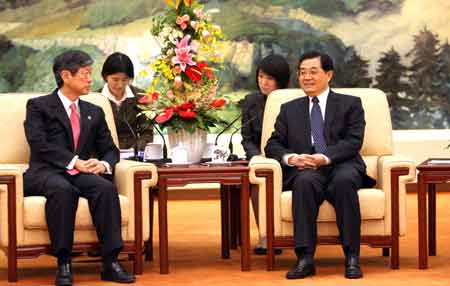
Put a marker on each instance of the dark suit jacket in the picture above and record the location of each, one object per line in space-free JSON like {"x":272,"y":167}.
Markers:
{"x":126,"y":114}
{"x":252,"y":108}
{"x":344,"y":133}
{"x":49,"y":134}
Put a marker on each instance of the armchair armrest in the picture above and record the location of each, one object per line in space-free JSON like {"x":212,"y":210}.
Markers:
{"x":394,"y":171}
{"x":133,"y":180}
{"x":11,"y":205}
{"x":269,"y":189}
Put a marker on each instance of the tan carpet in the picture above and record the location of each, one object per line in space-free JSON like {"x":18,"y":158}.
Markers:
{"x":194,"y":251}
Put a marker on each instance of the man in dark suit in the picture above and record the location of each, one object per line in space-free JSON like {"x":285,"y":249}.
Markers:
{"x":64,"y":133}
{"x":317,"y":139}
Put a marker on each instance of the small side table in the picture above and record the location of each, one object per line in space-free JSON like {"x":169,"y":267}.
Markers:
{"x":235,"y":173}
{"x":431,"y":172}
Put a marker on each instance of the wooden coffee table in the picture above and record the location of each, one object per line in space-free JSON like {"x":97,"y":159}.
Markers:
{"x":431,"y":172}
{"x":234,"y":173}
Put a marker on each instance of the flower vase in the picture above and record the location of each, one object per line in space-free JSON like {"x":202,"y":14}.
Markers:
{"x":194,"y":143}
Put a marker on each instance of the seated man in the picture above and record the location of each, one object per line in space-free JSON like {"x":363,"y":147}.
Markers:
{"x":317,"y":139}
{"x":64,"y":133}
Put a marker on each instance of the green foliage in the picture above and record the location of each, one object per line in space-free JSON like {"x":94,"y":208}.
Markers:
{"x":13,"y":64}
{"x":39,"y":76}
{"x":107,"y":13}
{"x":4,"y":85}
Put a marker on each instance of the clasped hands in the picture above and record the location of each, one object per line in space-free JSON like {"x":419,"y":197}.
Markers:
{"x":92,"y":165}
{"x":307,"y":161}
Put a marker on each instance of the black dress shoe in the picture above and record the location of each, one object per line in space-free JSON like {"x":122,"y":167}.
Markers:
{"x":116,"y":273}
{"x":259,"y":250}
{"x":304,"y":268}
{"x":64,"y":275}
{"x":352,"y":267}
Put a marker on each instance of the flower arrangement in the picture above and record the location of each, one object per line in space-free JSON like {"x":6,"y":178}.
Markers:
{"x":183,"y":90}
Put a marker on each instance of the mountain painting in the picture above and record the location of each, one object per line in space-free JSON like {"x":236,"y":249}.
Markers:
{"x":399,"y":46}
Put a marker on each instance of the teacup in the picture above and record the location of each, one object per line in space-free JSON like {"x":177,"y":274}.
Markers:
{"x":153,"y":151}
{"x":220,"y":154}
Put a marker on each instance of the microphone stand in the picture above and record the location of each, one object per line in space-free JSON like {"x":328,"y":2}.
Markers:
{"x":227,"y":127}
{"x":136,"y":138}
{"x":165,"y":160}
{"x":234,"y":157}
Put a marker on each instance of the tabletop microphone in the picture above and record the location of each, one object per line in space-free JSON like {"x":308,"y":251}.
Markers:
{"x":165,"y":160}
{"x":226,"y":128}
{"x":234,"y":157}
{"x":135,"y":138}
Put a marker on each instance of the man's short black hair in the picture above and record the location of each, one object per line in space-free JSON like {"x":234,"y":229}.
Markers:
{"x":71,"y":60}
{"x":277,"y":67}
{"x":117,"y":62}
{"x":325,"y":60}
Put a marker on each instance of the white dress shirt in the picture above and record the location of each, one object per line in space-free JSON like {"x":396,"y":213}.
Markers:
{"x":107,"y":93}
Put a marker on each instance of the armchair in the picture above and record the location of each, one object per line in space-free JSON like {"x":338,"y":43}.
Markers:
{"x":23,"y":228}
{"x":383,"y":208}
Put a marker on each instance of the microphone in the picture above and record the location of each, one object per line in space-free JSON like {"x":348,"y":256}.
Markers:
{"x":226,"y":128}
{"x":135,"y":137}
{"x":165,"y":160}
{"x":234,"y":157}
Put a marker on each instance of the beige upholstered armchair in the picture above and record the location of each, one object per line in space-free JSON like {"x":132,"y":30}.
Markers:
{"x":383,"y":208}
{"x":23,"y":228}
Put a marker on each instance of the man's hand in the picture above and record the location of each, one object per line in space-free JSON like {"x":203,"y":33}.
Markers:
{"x":81,"y":165}
{"x":95,"y":166}
{"x":302,"y":161}
{"x":319,"y":160}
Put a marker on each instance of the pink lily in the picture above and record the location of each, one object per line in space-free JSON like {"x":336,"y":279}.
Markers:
{"x":183,"y":57}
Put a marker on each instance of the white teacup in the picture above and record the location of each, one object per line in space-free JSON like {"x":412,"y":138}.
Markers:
{"x":153,"y":151}
{"x":179,"y":155}
{"x":220,"y":154}
{"x":208,"y":151}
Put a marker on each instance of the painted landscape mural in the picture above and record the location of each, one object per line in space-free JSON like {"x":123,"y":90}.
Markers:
{"x":399,"y":46}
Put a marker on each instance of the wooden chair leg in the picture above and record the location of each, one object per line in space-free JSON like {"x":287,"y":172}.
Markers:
{"x":385,"y":251}
{"x":395,"y":255}
{"x":149,"y":243}
{"x":12,"y":266}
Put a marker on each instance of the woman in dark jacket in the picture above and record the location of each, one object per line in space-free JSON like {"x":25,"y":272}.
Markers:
{"x":118,"y":73}
{"x":272,"y":73}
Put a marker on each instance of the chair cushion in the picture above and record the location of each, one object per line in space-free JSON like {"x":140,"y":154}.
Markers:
{"x":34,"y":216}
{"x":371,"y":203}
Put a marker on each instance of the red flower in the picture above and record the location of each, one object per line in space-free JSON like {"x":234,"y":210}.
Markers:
{"x":185,"y":106}
{"x":144,"y":99}
{"x":164,"y":116}
{"x":185,"y":110}
{"x":194,"y":73}
{"x":155,"y":95}
{"x":148,"y":98}
{"x":218,"y":103}
{"x":206,"y":69}
{"x":189,"y":113}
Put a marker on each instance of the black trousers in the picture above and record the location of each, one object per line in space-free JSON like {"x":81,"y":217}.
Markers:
{"x":62,"y":192}
{"x":338,"y":185}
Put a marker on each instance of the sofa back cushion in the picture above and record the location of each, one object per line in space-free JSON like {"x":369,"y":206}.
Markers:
{"x":14,"y":146}
{"x":378,"y":132}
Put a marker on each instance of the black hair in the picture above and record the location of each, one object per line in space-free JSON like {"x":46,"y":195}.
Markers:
{"x":71,"y":60}
{"x":277,"y":67}
{"x":118,"y":62}
{"x":326,"y":61}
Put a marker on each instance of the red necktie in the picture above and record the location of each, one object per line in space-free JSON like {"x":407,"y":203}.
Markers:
{"x":75,"y":123}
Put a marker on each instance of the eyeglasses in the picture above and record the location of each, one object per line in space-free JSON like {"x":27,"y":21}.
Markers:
{"x":310,"y":73}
